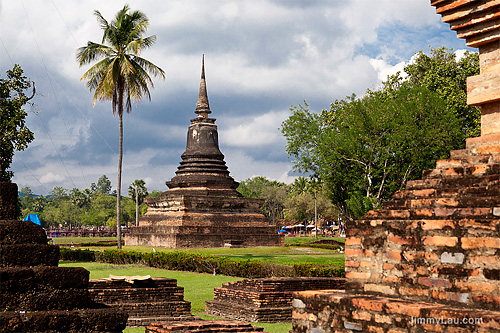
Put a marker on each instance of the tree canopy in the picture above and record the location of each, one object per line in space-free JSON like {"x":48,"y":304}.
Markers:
{"x":364,"y":149}
{"x":14,"y":134}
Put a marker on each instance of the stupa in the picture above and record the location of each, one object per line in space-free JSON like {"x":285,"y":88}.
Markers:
{"x":202,"y":207}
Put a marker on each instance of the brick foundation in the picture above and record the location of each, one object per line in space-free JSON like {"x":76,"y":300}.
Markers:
{"x":264,"y":300}
{"x":147,"y":301}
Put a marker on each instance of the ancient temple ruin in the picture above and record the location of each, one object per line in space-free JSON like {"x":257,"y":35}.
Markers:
{"x":429,"y":260}
{"x":202,"y":207}
{"x":35,"y":294}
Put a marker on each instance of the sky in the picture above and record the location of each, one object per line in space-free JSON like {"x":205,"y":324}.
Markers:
{"x":261,"y":58}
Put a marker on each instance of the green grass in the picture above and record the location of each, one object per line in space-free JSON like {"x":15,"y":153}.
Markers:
{"x":198,"y":288}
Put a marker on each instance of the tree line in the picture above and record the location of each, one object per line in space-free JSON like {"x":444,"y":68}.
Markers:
{"x":91,"y":207}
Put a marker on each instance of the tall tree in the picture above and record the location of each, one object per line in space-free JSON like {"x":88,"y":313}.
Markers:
{"x":138,"y":191}
{"x":122,"y":75}
{"x":14,"y":134}
{"x":365,"y":149}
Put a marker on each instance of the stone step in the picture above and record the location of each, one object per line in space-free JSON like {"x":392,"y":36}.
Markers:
{"x":476,"y":191}
{"x":248,"y":313}
{"x":450,"y":171}
{"x":145,"y":321}
{"x":202,"y":326}
{"x":364,"y":313}
{"x":454,"y":182}
{"x":136,"y":295}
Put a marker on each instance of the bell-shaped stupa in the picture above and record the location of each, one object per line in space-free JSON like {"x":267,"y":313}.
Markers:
{"x":202,"y":207}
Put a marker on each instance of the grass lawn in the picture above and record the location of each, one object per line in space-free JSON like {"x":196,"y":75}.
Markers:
{"x":197,"y":287}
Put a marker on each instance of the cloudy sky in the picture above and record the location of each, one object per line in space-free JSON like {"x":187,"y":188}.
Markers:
{"x":261,"y":57}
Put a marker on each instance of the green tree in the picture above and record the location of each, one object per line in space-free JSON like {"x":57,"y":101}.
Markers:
{"x":273,"y":192}
{"x":441,"y":73}
{"x":138,"y":191}
{"x":103,"y":185}
{"x":14,"y":134}
{"x":371,"y":146}
{"x":122,"y":75}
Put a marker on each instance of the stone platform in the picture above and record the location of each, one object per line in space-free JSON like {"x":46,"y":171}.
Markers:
{"x":264,"y":300}
{"x":35,"y":294}
{"x":145,"y":301}
{"x":202,"y":326}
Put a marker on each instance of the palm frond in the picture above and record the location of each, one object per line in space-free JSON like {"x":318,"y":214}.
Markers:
{"x":92,"y":52}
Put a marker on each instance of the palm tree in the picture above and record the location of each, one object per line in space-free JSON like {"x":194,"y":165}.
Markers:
{"x":120,"y":75}
{"x":138,"y":190}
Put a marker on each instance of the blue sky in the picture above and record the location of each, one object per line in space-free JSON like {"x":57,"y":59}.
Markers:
{"x":261,"y":57}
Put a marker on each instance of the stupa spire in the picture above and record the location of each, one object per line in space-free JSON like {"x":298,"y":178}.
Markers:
{"x":202,"y":106}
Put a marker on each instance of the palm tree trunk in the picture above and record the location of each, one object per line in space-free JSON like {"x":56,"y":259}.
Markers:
{"x":119,"y":184}
{"x":137,"y":205}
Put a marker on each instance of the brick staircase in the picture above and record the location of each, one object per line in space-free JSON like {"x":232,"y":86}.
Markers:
{"x":428,"y":261}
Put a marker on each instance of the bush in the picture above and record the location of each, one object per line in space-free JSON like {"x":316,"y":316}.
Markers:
{"x":183,"y":261}
{"x":76,"y":255}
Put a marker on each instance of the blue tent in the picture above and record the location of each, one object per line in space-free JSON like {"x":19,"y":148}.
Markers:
{"x":33,"y":218}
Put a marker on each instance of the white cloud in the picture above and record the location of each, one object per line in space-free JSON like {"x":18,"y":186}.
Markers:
{"x":51,"y":178}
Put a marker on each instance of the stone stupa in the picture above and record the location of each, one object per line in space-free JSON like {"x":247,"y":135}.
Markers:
{"x":202,"y":207}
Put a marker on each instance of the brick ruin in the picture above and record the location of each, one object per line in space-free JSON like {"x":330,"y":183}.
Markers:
{"x":35,"y":294}
{"x":203,"y":326}
{"x":202,"y":207}
{"x":429,"y":259}
{"x":145,"y":301}
{"x":265,"y":300}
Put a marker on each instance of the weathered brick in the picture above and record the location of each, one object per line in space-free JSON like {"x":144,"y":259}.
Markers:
{"x":447,"y":202}
{"x":351,"y":263}
{"x":423,"y":212}
{"x":375,"y":329}
{"x":440,"y":212}
{"x":451,"y":296}
{"x":440,"y":241}
{"x":387,"y":266}
{"x":424,"y":193}
{"x":362,"y":315}
{"x":485,"y":260}
{"x":379,"y":288}
{"x":437,"y":224}
{"x":352,"y":241}
{"x":403,"y":308}
{"x":358,"y":275}
{"x":475,"y":242}
{"x":413,"y":291}
{"x":485,"y":287}
{"x":383,"y":319}
{"x":406,"y":240}
{"x":396,"y":255}
{"x":429,"y":282}
{"x":353,"y":252}
{"x":368,"y":304}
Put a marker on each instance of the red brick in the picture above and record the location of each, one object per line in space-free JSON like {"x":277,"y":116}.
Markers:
{"x":413,"y":291}
{"x":440,"y":241}
{"x":447,"y":202}
{"x":484,"y":287}
{"x":392,"y":279}
{"x":353,"y":253}
{"x":486,"y":260}
{"x":352,"y":241}
{"x":375,"y":329}
{"x":387,"y":266}
{"x":475,"y":211}
{"x":423,"y":212}
{"x":428,"y":282}
{"x":479,"y":298}
{"x":396,"y":255}
{"x":382,"y":319}
{"x":475,"y":242}
{"x":403,"y":308}
{"x":370,"y":264}
{"x":406,"y":240}
{"x":357,"y":275}
{"x":351,"y":263}
{"x":424,"y":193}
{"x":437,"y":224}
{"x":368,"y":304}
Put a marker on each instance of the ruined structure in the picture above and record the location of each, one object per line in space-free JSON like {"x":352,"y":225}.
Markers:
{"x":202,"y":326}
{"x":35,"y":294}
{"x":267,"y":300}
{"x":429,"y":260}
{"x":202,"y":207}
{"x":145,"y":301}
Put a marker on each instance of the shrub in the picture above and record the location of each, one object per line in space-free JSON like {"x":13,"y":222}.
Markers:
{"x":76,"y":255}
